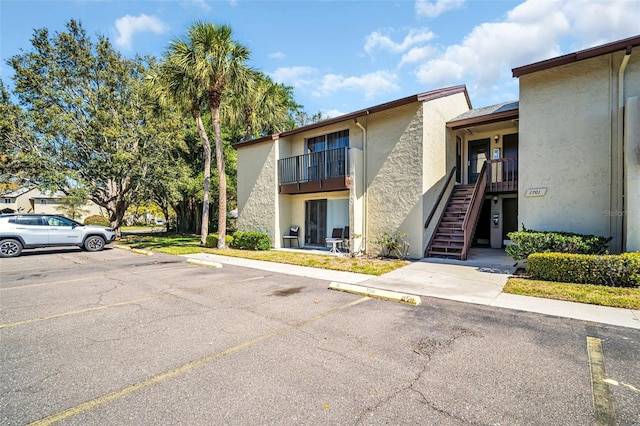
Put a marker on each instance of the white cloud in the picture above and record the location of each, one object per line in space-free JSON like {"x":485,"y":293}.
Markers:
{"x":299,"y":77}
{"x":277,"y":55}
{"x":311,"y":81}
{"x":601,"y":21}
{"x":201,"y":4}
{"x":417,"y":54}
{"x":532,"y":31}
{"x":377,"y":40}
{"x":432,"y":9}
{"x":372,"y":84}
{"x":128,"y":26}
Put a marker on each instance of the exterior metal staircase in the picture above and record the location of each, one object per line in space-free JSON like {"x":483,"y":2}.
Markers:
{"x":454,"y":233}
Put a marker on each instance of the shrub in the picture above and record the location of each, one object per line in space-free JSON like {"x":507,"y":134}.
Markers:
{"x":97,"y":220}
{"x":393,"y":245}
{"x":251,"y":240}
{"x":528,"y":242}
{"x":212,"y":240}
{"x":610,"y":270}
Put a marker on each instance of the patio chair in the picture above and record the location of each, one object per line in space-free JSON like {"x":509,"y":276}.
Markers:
{"x":345,"y":238}
{"x":292,"y":236}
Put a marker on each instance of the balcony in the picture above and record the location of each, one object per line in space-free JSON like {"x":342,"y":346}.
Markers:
{"x":315,"y":172}
{"x":502,"y":175}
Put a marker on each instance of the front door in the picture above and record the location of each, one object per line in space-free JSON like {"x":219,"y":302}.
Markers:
{"x":315,"y":222}
{"x":478,"y":154}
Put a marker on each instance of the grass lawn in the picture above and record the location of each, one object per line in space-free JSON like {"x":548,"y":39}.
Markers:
{"x":188,"y":244}
{"x":616,"y":297}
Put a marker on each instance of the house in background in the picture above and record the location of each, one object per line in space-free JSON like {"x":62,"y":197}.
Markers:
{"x":374,"y":171}
{"x":16,"y":201}
{"x":565,"y":157}
{"x":31,"y":200}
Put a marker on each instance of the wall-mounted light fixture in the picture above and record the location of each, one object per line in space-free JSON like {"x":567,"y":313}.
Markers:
{"x":496,"y":138}
{"x":495,"y":199}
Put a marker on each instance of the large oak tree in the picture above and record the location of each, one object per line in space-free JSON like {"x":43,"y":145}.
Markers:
{"x":89,"y":127}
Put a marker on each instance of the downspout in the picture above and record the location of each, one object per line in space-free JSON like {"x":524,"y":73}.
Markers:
{"x":621,"y":149}
{"x":365,"y":180}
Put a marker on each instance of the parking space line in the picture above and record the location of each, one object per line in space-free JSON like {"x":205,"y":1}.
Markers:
{"x":81,"y":311}
{"x":49,"y":283}
{"x":600,"y":392}
{"x":128,"y":302}
{"x":113,"y":396}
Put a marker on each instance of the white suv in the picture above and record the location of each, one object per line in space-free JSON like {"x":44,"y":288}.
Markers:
{"x":18,"y":231}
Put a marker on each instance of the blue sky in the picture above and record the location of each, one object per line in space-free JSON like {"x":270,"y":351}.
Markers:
{"x":342,"y":56}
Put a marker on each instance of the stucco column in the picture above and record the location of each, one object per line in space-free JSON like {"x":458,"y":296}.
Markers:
{"x":632,"y":175}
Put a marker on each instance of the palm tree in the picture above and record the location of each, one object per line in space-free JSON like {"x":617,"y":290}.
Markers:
{"x":175,"y":83}
{"x":219,"y":64}
{"x":260,"y":107}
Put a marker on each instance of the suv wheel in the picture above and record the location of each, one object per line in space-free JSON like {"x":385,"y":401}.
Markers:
{"x":94,"y":243}
{"x":10,"y":248}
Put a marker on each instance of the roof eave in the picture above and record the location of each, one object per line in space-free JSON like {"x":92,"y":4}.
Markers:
{"x":484,"y":119}
{"x":626,"y":44}
{"x":421,"y":97}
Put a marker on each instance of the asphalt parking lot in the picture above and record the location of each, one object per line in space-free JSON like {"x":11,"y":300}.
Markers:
{"x":122,"y":338}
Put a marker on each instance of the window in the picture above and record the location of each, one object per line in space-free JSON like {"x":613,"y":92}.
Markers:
{"x":59,"y":221}
{"x":29,"y":220}
{"x":7,"y":200}
{"x":330,"y":141}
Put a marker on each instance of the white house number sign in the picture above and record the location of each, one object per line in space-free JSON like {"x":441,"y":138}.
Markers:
{"x":535,"y":192}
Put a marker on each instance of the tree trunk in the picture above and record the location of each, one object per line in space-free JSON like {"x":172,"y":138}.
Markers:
{"x":206,"y":147}
{"x":222,"y":176}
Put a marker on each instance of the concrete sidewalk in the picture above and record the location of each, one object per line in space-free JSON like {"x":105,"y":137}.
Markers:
{"x":478,"y":280}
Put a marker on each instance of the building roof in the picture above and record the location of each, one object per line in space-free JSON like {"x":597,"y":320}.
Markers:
{"x":486,"y":115}
{"x":625,"y":44}
{"x":18,"y":192}
{"x":420,"y":97}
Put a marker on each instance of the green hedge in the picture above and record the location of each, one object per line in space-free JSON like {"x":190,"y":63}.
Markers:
{"x":527,"y":242}
{"x":251,"y":240}
{"x":212,"y":240}
{"x":610,"y":270}
{"x":97,"y":220}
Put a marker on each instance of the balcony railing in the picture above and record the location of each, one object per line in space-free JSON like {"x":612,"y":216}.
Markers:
{"x":502,"y":175}
{"x":317,"y":171}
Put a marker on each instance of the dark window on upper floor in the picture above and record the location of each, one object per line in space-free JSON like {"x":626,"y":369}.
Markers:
{"x":329,"y":141}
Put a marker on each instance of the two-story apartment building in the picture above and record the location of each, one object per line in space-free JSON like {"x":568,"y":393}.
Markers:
{"x":373,"y":171}
{"x":565,"y":157}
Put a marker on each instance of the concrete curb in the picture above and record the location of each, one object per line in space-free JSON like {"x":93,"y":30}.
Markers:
{"x":122,"y":247}
{"x":140,"y":251}
{"x":204,"y":263}
{"x":393,"y":296}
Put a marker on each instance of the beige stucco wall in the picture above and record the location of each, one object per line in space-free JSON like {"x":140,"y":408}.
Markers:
{"x":394,"y":162}
{"x":257,"y":189}
{"x":568,"y":144}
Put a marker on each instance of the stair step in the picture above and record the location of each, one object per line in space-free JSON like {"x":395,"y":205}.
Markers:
{"x":445,"y":255}
{"x":452,"y":238}
{"x":456,"y":247}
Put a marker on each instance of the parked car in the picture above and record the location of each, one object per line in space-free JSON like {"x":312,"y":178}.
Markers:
{"x":25,"y":231}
